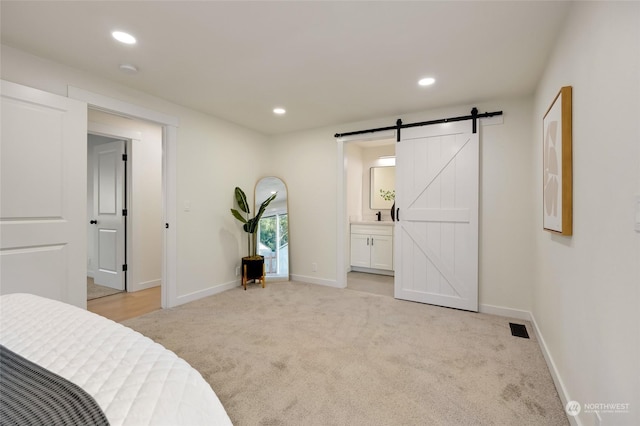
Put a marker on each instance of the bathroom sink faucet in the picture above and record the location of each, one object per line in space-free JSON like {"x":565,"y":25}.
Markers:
{"x":379,"y":214}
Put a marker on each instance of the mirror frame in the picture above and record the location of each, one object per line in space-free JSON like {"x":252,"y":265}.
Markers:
{"x":276,"y":277}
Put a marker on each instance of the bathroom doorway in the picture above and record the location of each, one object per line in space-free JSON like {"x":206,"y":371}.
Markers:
{"x":369,"y":222}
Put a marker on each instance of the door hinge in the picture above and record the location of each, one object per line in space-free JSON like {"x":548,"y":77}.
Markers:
{"x":124,"y":212}
{"x":124,"y":157}
{"x":124,"y":268}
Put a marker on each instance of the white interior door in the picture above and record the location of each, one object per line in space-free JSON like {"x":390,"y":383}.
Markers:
{"x":43,"y":182}
{"x":436,"y":236}
{"x":109,"y":219}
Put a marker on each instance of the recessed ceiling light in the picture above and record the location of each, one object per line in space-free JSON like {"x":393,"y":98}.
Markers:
{"x":279,"y":111}
{"x":427,"y":81}
{"x":123,"y":37}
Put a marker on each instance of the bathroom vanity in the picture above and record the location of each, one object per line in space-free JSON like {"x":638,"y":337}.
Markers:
{"x":372,"y":247}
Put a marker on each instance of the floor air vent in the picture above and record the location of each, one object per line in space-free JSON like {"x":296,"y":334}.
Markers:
{"x":519,"y":330}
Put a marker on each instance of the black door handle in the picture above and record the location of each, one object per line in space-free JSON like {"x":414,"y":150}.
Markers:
{"x":93,"y":222}
{"x":398,"y":214}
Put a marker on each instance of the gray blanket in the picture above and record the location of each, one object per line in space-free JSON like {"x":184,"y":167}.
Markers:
{"x":32,"y":395}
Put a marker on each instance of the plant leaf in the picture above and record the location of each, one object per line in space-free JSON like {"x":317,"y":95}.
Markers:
{"x":251,"y":226}
{"x":266,"y":202}
{"x":263,"y":207}
{"x":238,"y":216}
{"x":241,"y":199}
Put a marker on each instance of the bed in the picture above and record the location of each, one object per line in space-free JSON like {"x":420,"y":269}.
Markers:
{"x":133,"y":380}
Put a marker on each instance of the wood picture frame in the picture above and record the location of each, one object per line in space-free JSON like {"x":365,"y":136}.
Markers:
{"x":557,"y":189}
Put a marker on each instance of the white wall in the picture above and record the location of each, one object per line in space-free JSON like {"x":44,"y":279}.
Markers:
{"x":212,"y":158}
{"x":353,"y":181}
{"x":307,"y":161}
{"x":145,"y":204}
{"x":586,"y":298}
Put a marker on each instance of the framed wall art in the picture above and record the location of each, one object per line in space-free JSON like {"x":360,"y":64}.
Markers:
{"x":557,"y":171}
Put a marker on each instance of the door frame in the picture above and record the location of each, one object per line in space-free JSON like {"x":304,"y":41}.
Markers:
{"x":342,"y":231}
{"x":169,"y":126}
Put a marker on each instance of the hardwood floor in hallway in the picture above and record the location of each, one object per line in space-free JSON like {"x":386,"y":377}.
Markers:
{"x":123,"y":306}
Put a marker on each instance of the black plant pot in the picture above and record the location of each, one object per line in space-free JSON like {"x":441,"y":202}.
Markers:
{"x":252,"y":269}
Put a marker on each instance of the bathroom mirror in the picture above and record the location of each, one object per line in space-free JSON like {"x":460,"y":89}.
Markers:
{"x":273,"y":230}
{"x":382,"y":179}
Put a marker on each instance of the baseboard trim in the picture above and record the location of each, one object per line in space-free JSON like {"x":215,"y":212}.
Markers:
{"x":504,"y":312}
{"x":555,"y":374}
{"x":145,"y":285}
{"x":192,"y":297}
{"x":313,"y":280}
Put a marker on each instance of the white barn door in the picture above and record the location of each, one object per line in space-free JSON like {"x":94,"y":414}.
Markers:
{"x":109,"y":220}
{"x":436,"y":235}
{"x":43,"y":151}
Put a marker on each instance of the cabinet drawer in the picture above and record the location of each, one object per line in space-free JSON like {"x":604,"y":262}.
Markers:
{"x":372,"y":229}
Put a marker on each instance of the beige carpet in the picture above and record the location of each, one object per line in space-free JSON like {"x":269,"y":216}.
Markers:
{"x":300,"y":354}
{"x":95,"y":291}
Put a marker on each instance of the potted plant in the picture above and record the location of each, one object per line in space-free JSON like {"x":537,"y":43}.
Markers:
{"x":390,"y":196}
{"x":252,"y":264}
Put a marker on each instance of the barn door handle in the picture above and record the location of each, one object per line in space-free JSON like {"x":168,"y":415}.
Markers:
{"x":93,"y":222}
{"x":398,"y":214}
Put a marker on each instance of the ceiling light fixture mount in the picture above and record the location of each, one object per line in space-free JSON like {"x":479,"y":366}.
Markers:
{"x":123,"y":37}
{"x":426,"y":81}
{"x":128,"y":68}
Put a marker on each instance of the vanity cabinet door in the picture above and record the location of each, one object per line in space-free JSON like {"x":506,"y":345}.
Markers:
{"x":372,"y":247}
{"x":360,"y":250}
{"x":382,"y":252}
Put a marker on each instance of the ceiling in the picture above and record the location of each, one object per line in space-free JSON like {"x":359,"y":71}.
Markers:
{"x":326,"y":62}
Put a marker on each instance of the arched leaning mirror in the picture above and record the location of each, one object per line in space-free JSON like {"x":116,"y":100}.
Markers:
{"x":273,"y":230}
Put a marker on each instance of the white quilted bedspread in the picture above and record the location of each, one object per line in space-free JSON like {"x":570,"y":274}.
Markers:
{"x":134,"y":380}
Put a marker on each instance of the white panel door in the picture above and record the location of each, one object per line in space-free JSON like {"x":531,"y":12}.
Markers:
{"x":43,"y":171}
{"x":109,"y":221}
{"x":436,"y":233}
